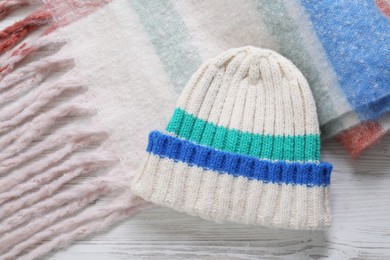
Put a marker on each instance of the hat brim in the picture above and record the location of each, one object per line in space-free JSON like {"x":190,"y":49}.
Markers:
{"x":222,"y":186}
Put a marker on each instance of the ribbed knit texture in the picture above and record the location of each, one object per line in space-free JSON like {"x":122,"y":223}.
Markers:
{"x":242,"y":145}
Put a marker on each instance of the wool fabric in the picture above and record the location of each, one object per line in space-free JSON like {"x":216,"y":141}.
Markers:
{"x":242,"y":145}
{"x":341,"y":47}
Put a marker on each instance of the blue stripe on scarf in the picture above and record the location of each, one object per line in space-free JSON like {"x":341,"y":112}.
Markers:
{"x":356,"y":38}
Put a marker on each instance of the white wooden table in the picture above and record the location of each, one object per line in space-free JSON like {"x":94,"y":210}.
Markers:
{"x":360,"y":200}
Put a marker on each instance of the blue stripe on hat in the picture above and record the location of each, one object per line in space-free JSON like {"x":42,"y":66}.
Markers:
{"x":308,"y":174}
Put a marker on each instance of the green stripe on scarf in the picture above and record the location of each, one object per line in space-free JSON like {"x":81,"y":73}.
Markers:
{"x":170,"y":39}
{"x":290,"y":148}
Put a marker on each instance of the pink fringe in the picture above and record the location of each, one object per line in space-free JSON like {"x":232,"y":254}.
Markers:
{"x":48,"y":189}
{"x":77,"y":227}
{"x":8,"y":6}
{"x":10,"y":60}
{"x":15,"y":33}
{"x":38,"y":166}
{"x":44,"y":66}
{"x":69,"y":170}
{"x":83,"y":231}
{"x":30,"y":106}
{"x":75,"y":10}
{"x":14,"y":142}
{"x":97,"y":187}
{"x":40,"y":155}
{"x":73,"y":139}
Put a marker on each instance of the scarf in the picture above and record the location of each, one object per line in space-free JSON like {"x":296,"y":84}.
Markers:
{"x":82,"y":83}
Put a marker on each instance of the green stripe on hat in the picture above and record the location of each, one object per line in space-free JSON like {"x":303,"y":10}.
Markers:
{"x":271,"y":147}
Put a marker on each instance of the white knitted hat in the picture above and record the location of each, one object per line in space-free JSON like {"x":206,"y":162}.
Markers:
{"x":243,"y":145}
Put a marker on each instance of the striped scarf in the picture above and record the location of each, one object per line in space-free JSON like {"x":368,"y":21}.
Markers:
{"x":83,"y":82}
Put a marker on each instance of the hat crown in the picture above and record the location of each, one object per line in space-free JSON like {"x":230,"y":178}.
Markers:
{"x":250,"y":101}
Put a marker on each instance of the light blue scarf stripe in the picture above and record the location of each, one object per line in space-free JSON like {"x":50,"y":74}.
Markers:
{"x":283,"y":28}
{"x":170,"y":39}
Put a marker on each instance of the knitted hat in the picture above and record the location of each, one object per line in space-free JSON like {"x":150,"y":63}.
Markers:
{"x":242,"y":145}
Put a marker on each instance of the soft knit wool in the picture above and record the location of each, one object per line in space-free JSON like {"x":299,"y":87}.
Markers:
{"x":125,"y":62}
{"x":330,"y":42}
{"x":64,"y":172}
{"x":243,"y":145}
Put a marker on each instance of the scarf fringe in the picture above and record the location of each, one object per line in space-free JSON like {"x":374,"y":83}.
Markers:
{"x":69,"y":170}
{"x":11,"y":59}
{"x":73,"y":206}
{"x":70,"y":140}
{"x":32,"y":104}
{"x":15,"y":33}
{"x":47,"y":140}
{"x":88,"y":222}
{"x":60,"y":201}
{"x":9,"y":6}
